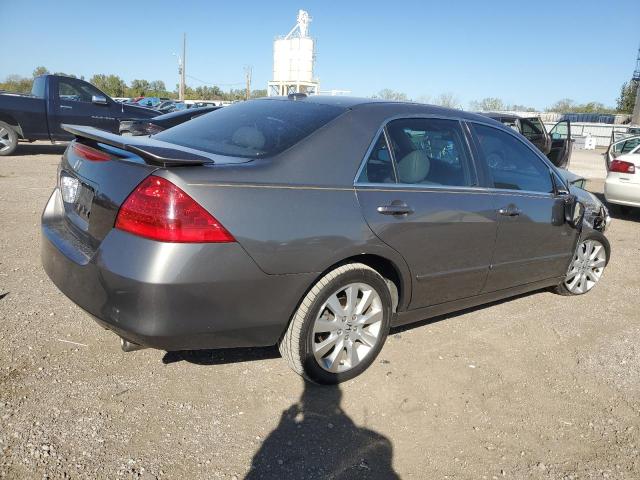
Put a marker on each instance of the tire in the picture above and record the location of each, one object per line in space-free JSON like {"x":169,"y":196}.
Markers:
{"x":347,"y":336}
{"x":590,"y":270}
{"x":8,"y":139}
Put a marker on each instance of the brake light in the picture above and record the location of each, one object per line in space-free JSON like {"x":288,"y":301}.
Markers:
{"x":88,"y":153}
{"x":622,"y":167}
{"x":160,"y":210}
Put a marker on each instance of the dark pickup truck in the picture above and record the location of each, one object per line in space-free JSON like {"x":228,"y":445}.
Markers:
{"x":55,"y":100}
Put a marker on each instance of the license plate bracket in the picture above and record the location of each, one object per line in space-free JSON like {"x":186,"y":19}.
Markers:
{"x":84,"y":202}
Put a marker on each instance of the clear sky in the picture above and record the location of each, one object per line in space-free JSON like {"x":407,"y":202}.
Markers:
{"x":525,"y":52}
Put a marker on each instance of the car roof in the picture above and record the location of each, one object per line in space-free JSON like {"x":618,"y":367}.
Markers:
{"x":361,"y":103}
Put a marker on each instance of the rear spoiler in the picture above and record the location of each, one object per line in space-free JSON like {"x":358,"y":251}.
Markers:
{"x":153,"y":152}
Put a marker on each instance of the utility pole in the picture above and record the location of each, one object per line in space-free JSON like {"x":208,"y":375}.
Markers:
{"x":181,"y":63}
{"x":635,"y":117}
{"x":247,"y":71}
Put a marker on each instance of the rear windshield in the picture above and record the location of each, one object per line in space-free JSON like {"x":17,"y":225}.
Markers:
{"x":254,"y":129}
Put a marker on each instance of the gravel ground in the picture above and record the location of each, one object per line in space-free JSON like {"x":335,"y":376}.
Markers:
{"x":540,"y":386}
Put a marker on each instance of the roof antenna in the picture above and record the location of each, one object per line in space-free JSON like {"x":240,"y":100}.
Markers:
{"x":297,"y":96}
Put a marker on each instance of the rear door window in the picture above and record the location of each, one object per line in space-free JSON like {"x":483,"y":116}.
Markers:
{"x":512,"y":164}
{"x":379,"y":166}
{"x":252,"y":129}
{"x":430,"y":151}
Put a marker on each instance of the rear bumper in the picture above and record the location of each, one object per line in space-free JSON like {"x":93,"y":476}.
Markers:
{"x":171,"y":296}
{"x":622,"y":193}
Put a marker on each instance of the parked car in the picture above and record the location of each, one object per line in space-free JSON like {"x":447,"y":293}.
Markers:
{"x":161,"y":122}
{"x":313,"y":223}
{"x":622,"y":186}
{"x":556,"y":144}
{"x":55,"y":100}
{"x":172,"y":106}
{"x":621,"y":147}
{"x":149,"y":102}
{"x":206,"y":103}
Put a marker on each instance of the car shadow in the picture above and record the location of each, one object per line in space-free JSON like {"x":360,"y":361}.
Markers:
{"x":316,"y":439}
{"x":39,"y":149}
{"x":221,"y":356}
{"x":620,"y":213}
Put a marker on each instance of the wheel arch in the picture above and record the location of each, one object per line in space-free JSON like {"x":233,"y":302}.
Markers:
{"x":397,"y":275}
{"x":12,"y":122}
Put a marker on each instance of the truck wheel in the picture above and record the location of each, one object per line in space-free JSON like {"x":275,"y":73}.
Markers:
{"x":340,"y":325}
{"x":8,"y":139}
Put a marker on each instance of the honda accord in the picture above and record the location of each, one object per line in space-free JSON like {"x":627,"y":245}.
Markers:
{"x":313,"y":223}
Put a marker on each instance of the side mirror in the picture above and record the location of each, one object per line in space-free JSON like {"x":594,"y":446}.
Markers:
{"x":99,"y":100}
{"x":573,"y":211}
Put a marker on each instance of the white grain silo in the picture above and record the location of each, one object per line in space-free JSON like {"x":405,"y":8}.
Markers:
{"x":293,"y":59}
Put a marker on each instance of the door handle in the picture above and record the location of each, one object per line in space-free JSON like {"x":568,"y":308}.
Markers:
{"x":66,"y":106}
{"x":395,"y":208}
{"x":510,"y":211}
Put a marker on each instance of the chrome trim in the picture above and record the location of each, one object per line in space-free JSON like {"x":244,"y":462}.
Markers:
{"x":392,"y":154}
{"x":408,"y":187}
{"x":272,"y":186}
{"x":520,"y":193}
{"x":99,"y":100}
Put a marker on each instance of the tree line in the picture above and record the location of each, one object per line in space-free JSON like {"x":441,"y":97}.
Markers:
{"x":624,"y":103}
{"x":115,"y":86}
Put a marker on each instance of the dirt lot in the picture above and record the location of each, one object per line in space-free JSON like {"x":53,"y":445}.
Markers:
{"x":540,"y":386}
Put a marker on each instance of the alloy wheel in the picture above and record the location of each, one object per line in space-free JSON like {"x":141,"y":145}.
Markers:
{"x":347,"y":328}
{"x":5,"y":140}
{"x":587,"y":267}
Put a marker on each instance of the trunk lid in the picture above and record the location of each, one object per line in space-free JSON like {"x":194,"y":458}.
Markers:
{"x":102,"y":185}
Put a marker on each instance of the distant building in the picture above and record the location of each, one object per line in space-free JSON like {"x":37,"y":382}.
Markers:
{"x":293,"y":61}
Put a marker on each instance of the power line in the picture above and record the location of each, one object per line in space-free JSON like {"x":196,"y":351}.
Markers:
{"x":214,"y":83}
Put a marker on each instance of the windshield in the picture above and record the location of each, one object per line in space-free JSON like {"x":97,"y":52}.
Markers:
{"x":253,"y":129}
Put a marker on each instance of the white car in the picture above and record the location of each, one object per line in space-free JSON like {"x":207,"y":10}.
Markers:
{"x":622,"y":186}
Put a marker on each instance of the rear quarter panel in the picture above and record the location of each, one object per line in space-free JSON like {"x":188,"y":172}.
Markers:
{"x":297,"y":212}
{"x":291,"y":229}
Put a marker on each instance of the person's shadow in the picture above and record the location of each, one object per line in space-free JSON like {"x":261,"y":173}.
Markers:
{"x":316,"y":439}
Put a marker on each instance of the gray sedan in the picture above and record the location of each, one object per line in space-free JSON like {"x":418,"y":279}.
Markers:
{"x":311,"y":223}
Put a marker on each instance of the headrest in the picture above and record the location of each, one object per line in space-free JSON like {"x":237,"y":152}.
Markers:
{"x":413,"y":167}
{"x":249,"y":137}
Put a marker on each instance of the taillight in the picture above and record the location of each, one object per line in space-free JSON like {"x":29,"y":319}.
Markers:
{"x":88,"y":153}
{"x":160,"y":210}
{"x":622,"y":167}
